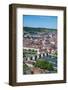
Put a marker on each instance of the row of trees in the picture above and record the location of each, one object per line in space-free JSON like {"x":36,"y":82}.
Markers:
{"x":29,"y":51}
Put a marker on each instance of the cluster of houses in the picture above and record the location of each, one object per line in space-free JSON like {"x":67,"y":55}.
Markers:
{"x":43,"y":42}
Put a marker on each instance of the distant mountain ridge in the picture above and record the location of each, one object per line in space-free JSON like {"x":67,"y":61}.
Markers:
{"x":34,"y":29}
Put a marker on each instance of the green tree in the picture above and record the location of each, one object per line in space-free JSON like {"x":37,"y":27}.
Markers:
{"x":50,"y":67}
{"x":43,"y":64}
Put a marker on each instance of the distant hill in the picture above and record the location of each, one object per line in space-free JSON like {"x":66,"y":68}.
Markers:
{"x":35,"y":30}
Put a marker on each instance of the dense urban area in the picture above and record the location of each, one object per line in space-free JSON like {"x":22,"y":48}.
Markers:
{"x":39,"y":50}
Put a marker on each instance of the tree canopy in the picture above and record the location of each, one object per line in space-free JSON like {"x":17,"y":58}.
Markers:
{"x":43,"y":64}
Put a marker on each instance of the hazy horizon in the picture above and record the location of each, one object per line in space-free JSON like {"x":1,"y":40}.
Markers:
{"x":39,"y":27}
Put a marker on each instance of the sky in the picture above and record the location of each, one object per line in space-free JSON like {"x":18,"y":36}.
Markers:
{"x":40,"y":21}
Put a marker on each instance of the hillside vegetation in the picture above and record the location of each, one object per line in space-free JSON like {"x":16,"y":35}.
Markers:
{"x":35,"y":30}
